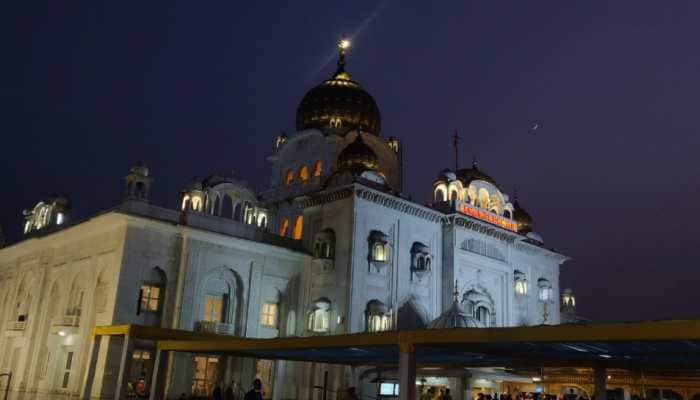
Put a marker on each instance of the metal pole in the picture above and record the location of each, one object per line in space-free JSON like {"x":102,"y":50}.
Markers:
{"x":325,"y":384}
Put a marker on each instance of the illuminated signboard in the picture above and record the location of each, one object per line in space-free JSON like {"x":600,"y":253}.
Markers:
{"x":505,"y":223}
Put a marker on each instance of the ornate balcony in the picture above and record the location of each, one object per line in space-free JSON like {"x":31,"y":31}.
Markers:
{"x":220,"y":328}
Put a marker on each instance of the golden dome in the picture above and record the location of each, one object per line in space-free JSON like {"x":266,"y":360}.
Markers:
{"x":339,"y":102}
{"x":466,"y":175}
{"x":358,"y":157}
{"x":521,"y":217}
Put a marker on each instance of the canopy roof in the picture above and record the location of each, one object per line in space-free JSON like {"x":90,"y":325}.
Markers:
{"x":653,"y":345}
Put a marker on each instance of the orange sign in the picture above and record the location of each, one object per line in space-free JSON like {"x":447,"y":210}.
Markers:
{"x":505,"y":223}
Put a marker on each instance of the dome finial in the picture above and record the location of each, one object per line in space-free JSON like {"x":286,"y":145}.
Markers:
{"x":475,"y":163}
{"x":455,"y":292}
{"x":343,"y":46}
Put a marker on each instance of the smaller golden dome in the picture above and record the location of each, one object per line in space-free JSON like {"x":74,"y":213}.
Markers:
{"x":466,"y":175}
{"x":358,"y":156}
{"x":521,"y":217}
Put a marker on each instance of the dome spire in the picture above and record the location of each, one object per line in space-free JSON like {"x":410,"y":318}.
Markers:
{"x":343,"y":46}
{"x":455,"y":292}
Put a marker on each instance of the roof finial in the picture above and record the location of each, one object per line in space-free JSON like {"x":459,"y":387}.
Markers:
{"x":343,"y":46}
{"x":455,"y":293}
{"x":455,"y":143}
{"x":475,"y":164}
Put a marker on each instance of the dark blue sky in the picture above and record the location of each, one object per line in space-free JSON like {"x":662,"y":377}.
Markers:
{"x":611,"y":178}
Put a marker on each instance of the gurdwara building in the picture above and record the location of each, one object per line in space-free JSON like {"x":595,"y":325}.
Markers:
{"x":331,"y":247}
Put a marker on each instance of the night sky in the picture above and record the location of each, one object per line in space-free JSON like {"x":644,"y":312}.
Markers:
{"x":610,"y":177}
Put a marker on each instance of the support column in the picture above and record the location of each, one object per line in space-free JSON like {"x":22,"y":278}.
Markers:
{"x":600,"y":383}
{"x":407,"y":371}
{"x":154,"y":378}
{"x":92,"y":365}
{"x":124,"y":363}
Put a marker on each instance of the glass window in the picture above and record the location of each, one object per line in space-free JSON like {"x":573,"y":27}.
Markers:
{"x":205,"y":374}
{"x":521,"y":287}
{"x":150,"y":298}
{"x":213,"y":308}
{"x":268,"y":315}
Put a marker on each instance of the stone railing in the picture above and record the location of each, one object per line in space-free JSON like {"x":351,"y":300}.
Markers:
{"x":66,"y":320}
{"x":219,"y":328}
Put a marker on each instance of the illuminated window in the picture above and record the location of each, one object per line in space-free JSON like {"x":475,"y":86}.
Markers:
{"x":440,"y":194}
{"x":317,"y":168}
{"x":205,"y":374}
{"x":378,"y":246}
{"x":320,"y":316}
{"x":520,"y":283}
{"x":379,"y":252}
{"x":150,"y":298}
{"x":213,"y":308}
{"x":378,"y":319}
{"x":303,"y":174}
{"x":298,"y":227}
{"x":336,"y":122}
{"x":268,"y":315}
{"x":289,"y":177}
{"x":545,"y":290}
{"x":283,"y":227}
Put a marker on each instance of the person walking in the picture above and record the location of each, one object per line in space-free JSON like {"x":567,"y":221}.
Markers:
{"x":256,"y":392}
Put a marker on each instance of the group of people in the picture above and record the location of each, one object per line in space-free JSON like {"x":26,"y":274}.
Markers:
{"x":432,"y":393}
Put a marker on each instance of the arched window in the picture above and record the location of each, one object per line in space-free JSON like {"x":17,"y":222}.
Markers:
{"x":440,"y":195}
{"x":324,"y":244}
{"x":304,"y":174}
{"x":507,"y":214}
{"x":483,"y":315}
{"x":520,"y":283}
{"x":289,"y":177}
{"x":185,"y":202}
{"x":284,"y":226}
{"x":298,"y":227}
{"x":217,"y":296}
{"x":545,"y":290}
{"x":420,"y":257}
{"x":75,"y":299}
{"x":317,"y":168}
{"x":377,"y":317}
{"x":378,"y":246}
{"x":320,"y":316}
{"x":151,"y":293}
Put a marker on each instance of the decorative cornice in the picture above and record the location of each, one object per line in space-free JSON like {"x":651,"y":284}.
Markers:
{"x":484,"y":228}
{"x":399,"y":204}
{"x":318,"y":199}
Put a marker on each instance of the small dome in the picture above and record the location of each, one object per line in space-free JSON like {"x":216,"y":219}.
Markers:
{"x":535,"y":237}
{"x":358,"y":157}
{"x":522,"y":218}
{"x":454,"y":317}
{"x":195,"y":184}
{"x":339,"y":102}
{"x":139,"y":168}
{"x":466,"y":175}
{"x":447,"y":174}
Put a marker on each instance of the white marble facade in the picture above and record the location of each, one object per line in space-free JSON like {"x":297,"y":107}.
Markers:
{"x":331,"y":247}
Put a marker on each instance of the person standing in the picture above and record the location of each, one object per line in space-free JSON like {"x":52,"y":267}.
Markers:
{"x":256,"y":392}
